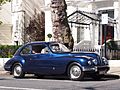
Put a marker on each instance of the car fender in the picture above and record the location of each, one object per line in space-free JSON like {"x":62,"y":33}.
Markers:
{"x":17,"y":59}
{"x":71,"y":63}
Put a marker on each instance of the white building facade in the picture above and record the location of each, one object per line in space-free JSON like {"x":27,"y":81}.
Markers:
{"x":94,"y":32}
{"x":23,"y":10}
{"x":6,"y":25}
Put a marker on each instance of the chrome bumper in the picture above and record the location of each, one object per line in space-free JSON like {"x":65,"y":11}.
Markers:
{"x":96,"y":69}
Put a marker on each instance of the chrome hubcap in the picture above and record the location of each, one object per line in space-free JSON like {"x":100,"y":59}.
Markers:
{"x":75,"y":72}
{"x":17,"y":70}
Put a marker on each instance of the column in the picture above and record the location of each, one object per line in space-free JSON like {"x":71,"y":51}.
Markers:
{"x":94,"y":31}
{"x":48,"y":21}
{"x":119,"y":21}
{"x":117,"y":18}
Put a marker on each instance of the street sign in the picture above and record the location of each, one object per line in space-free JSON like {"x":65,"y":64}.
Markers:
{"x":105,"y":18}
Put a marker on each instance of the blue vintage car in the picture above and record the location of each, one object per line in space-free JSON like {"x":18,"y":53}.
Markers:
{"x":51,"y":58}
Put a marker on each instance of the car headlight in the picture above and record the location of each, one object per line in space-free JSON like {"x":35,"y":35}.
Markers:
{"x":95,"y":61}
{"x":89,"y":63}
{"x":105,"y":60}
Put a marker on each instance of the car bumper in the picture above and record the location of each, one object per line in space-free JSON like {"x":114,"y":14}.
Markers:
{"x":96,"y":69}
{"x":7,"y":67}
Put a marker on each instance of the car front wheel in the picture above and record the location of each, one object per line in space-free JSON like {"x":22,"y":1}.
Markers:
{"x":75,"y":72}
{"x":17,"y":71}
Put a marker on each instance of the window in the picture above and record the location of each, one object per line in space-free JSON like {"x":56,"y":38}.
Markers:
{"x":17,"y":23}
{"x":26,"y":50}
{"x":109,"y":11}
{"x":39,"y":48}
{"x":59,"y":48}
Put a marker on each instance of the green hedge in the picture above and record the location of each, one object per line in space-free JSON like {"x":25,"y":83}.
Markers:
{"x":112,"y":45}
{"x":7,"y":51}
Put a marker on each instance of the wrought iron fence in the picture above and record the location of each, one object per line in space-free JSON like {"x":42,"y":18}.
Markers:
{"x":111,"y":54}
{"x":87,"y":50}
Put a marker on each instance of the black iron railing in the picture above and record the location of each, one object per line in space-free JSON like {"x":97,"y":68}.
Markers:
{"x":110,"y":54}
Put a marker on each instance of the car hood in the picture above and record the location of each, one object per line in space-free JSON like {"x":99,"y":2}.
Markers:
{"x":89,"y":54}
{"x":74,"y":55}
{"x":92,"y":55}
{"x":81,"y":56}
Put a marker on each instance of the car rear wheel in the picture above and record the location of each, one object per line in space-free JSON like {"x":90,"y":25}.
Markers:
{"x":75,"y":72}
{"x":17,"y":71}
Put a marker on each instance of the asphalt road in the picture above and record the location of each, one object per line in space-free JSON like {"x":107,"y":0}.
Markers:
{"x":110,"y":82}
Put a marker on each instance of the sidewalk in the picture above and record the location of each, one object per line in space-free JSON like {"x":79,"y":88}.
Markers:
{"x":114,"y":67}
{"x":114,"y":70}
{"x":3,"y":72}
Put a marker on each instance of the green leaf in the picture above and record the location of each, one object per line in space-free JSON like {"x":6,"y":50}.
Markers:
{"x":49,"y":35}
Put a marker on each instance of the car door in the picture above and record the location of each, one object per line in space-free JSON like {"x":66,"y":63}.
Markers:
{"x":26,"y":53}
{"x":41,"y":59}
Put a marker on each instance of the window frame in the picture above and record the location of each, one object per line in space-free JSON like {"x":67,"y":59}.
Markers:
{"x":29,"y":46}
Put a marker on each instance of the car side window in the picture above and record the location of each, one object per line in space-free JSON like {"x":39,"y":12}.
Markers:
{"x":55,"y":48}
{"x":26,"y":50}
{"x":39,"y":49}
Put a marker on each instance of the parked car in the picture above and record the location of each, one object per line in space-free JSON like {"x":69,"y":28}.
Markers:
{"x":51,"y":58}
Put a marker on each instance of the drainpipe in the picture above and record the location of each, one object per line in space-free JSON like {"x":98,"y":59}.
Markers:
{"x":99,"y":29}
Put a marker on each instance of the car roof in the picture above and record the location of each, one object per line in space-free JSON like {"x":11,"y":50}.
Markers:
{"x":38,"y":42}
{"x":34,"y":42}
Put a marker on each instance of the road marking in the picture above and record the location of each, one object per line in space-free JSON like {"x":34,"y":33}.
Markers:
{"x":18,"y":88}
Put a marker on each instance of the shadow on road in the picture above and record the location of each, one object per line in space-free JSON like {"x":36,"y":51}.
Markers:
{"x":105,"y":78}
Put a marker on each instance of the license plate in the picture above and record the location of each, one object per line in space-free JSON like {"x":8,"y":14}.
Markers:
{"x":102,"y":72}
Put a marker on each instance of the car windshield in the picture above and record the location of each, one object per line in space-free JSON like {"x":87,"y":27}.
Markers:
{"x":59,"y":48}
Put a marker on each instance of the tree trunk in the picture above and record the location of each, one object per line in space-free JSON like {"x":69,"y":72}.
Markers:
{"x":61,"y":29}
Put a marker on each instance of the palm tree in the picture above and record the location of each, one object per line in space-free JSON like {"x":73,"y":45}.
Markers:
{"x":61,"y":29}
{"x":4,"y":1}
